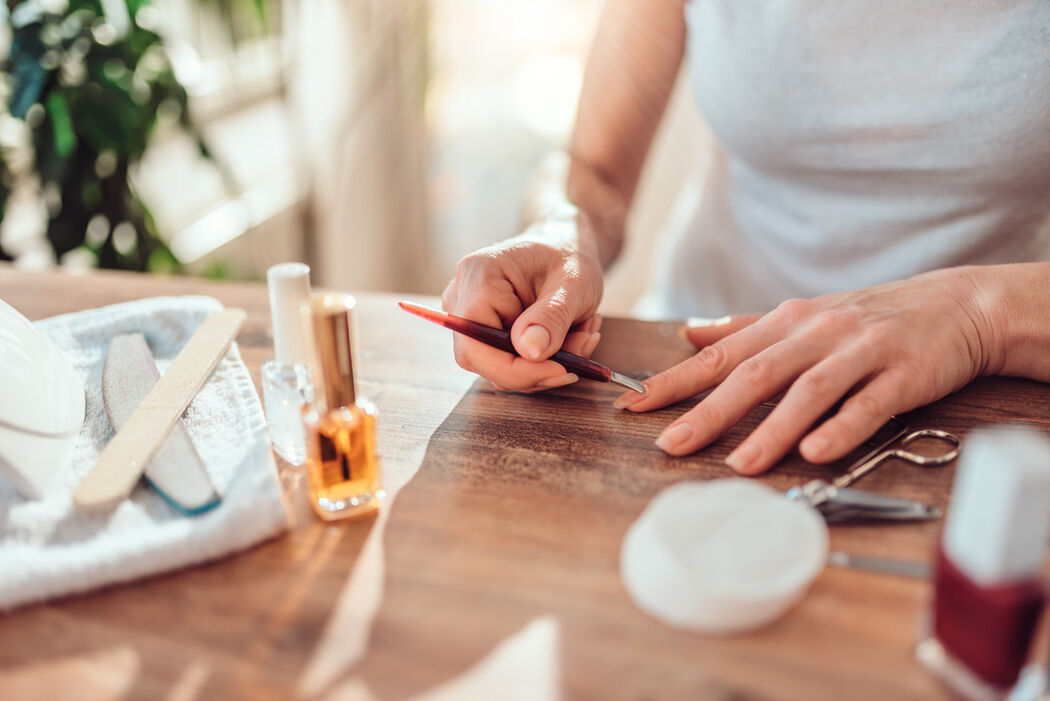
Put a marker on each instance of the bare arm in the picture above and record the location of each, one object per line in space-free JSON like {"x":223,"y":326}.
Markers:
{"x":546,"y":283}
{"x":1014,"y":309}
{"x":631,"y":71}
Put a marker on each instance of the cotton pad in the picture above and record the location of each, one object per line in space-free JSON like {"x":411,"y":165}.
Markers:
{"x":722,"y":556}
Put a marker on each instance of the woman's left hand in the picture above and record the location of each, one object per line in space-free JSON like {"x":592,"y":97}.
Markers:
{"x":888,"y":349}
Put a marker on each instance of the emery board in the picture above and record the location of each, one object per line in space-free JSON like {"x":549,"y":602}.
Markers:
{"x":125,"y":457}
{"x":176,"y":471}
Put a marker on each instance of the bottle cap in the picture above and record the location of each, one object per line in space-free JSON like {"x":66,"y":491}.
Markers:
{"x":333,"y":362}
{"x":289,"y":285}
{"x":999,"y":518}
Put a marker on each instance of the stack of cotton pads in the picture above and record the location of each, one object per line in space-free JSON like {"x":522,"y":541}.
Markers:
{"x":722,"y":556}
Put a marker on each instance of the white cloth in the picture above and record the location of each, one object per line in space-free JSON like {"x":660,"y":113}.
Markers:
{"x":857,"y":143}
{"x":49,"y":548}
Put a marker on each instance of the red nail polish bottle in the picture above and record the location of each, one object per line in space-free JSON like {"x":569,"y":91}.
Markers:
{"x":988,"y":590}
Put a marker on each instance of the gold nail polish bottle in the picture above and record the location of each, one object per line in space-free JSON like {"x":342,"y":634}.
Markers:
{"x":342,"y":467}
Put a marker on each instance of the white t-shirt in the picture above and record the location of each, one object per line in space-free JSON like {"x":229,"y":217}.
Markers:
{"x":857,"y":143}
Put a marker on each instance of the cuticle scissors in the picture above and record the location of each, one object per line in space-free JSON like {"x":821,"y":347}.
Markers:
{"x":837,"y":502}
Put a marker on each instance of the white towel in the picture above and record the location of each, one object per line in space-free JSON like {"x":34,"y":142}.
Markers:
{"x":49,"y":548}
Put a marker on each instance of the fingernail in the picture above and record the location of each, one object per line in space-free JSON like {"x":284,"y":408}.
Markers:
{"x":744,"y":457}
{"x":674,"y":436}
{"x":694,"y":322}
{"x":534,"y":340}
{"x":697,"y":322}
{"x":815,"y":446}
{"x":560,"y":381}
{"x":630,"y":397}
{"x":591,"y":344}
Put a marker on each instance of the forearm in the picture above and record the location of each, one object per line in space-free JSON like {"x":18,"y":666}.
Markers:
{"x":631,"y":71}
{"x":567,"y":191}
{"x":1014,"y":307}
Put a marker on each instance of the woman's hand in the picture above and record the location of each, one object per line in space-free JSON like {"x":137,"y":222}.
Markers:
{"x":545,"y":284}
{"x":888,"y":349}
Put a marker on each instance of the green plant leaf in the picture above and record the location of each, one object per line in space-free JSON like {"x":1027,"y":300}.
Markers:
{"x":162,"y":262}
{"x":65,"y":139}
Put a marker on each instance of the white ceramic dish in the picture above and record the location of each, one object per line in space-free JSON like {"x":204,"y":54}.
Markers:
{"x":41,"y":405}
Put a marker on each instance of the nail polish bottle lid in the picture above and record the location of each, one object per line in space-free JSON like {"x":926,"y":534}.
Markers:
{"x":999,"y":518}
{"x":333,"y":362}
{"x":289,"y":285}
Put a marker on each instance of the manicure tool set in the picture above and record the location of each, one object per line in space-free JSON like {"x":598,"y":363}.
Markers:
{"x":987,"y":578}
{"x":838,"y":502}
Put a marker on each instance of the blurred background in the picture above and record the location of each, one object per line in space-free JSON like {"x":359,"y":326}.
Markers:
{"x":377,"y":140}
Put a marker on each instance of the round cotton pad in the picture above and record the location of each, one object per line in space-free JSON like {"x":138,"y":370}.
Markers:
{"x":722,"y":556}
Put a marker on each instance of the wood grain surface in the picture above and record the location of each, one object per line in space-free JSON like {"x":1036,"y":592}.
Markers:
{"x":492,"y":571}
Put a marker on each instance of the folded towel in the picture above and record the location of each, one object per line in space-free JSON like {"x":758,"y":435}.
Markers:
{"x":49,"y":548}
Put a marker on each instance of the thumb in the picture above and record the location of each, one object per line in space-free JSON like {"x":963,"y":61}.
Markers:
{"x":703,"y":332}
{"x":540,"y":330}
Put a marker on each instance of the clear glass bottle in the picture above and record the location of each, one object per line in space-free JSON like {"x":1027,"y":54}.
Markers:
{"x":285,"y":378}
{"x":342,"y":465}
{"x":286,"y":391}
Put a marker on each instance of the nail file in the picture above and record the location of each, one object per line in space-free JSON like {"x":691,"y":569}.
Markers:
{"x":125,"y":457}
{"x":175,"y":471}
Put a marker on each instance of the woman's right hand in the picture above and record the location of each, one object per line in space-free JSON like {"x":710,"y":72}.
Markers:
{"x":545,"y":285}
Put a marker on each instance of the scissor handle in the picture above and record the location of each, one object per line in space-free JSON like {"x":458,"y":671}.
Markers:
{"x":928,"y":460}
{"x":870,"y":462}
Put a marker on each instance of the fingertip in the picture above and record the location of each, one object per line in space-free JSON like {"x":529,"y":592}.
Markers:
{"x":813,"y":447}
{"x":701,"y":331}
{"x":697,"y":329}
{"x":596,"y":323}
{"x":675,"y":438}
{"x":533,"y":342}
{"x":581,"y":343}
{"x":747,"y":459}
{"x":591,"y":344}
{"x":823,"y":448}
{"x":461,"y":355}
{"x":654,"y":397}
{"x":540,"y":329}
{"x":820,"y":448}
{"x":630,"y":397}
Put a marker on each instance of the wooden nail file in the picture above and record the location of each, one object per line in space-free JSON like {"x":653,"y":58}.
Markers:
{"x":175,"y":471}
{"x":125,"y":457}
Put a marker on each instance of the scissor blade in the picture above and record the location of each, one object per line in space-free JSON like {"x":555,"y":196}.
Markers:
{"x":847,"y":504}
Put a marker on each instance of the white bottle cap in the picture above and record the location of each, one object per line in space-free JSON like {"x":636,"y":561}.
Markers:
{"x":999,"y":516}
{"x":289,"y":285}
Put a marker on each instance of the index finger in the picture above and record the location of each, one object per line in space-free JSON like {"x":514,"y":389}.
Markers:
{"x":703,"y":332}
{"x":505,"y":369}
{"x":702,"y":371}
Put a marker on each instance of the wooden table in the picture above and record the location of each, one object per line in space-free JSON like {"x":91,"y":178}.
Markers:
{"x":492,"y":572}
